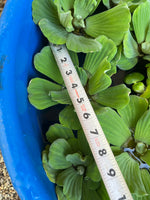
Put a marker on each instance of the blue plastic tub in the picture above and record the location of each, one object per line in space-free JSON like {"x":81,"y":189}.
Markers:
{"x":21,"y":140}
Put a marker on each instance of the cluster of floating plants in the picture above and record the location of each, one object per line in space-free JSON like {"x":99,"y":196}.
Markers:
{"x":113,"y":39}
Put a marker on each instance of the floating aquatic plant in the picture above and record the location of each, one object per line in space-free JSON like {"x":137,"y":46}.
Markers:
{"x":95,"y":76}
{"x":70,"y":22}
{"x":69,"y":164}
{"x":128,"y":131}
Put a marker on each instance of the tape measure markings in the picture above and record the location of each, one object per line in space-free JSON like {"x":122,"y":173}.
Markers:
{"x":104,"y":158}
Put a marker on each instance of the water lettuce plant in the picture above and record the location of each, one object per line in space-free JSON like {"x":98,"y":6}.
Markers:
{"x":71,"y":166}
{"x":95,"y":76}
{"x":136,"y":43}
{"x":128,"y":131}
{"x":70,"y":22}
{"x":112,"y":45}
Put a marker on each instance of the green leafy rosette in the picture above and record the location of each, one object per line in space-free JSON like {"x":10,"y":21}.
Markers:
{"x":69,"y":164}
{"x":128,"y":132}
{"x":95,"y":76}
{"x":136,"y":43}
{"x":69,"y":22}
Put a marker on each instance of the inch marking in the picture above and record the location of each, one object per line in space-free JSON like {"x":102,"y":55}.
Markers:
{"x":71,"y":79}
{"x":83,"y":107}
{"x":97,"y":142}
{"x":86,"y":115}
{"x":77,"y":94}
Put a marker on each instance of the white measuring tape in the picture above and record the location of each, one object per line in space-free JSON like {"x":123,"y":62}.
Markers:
{"x":114,"y":182}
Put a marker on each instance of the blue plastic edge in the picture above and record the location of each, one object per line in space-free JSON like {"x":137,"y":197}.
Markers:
{"x":21,"y":141}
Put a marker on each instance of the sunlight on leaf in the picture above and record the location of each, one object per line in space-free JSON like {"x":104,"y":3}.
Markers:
{"x":82,"y":44}
{"x":112,"y":23}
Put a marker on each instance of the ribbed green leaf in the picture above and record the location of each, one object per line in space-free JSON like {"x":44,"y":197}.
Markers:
{"x":91,"y":184}
{"x":148,"y":34}
{"x":115,"y":97}
{"x":77,"y":159}
{"x":66,"y":20}
{"x":88,"y":194}
{"x":46,"y":64}
{"x":141,"y":21}
{"x":39,"y":93}
{"x":146,"y":157}
{"x":102,"y":192}
{"x":50,"y":172}
{"x":74,"y":58}
{"x":146,"y":93}
{"x":61,"y":97}
{"x":92,"y":172}
{"x":136,"y":197}
{"x":98,"y":2}
{"x":74,"y":144}
{"x":130,"y":46}
{"x":83,"y":8}
{"x":93,"y":60}
{"x":65,"y":4}
{"x":68,"y":118}
{"x":58,"y":131}
{"x":113,"y":69}
{"x":82,"y":44}
{"x":59,"y":192}
{"x":112,"y":23}
{"x":82,"y":75}
{"x":133,"y":111}
{"x":85,"y":149}
{"x":100,"y":80}
{"x":71,"y":182}
{"x":126,"y":63}
{"x":57,"y":154}
{"x":44,"y":9}
{"x":132,"y":173}
{"x":142,"y":128}
{"x":115,"y":129}
{"x":54,"y":32}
